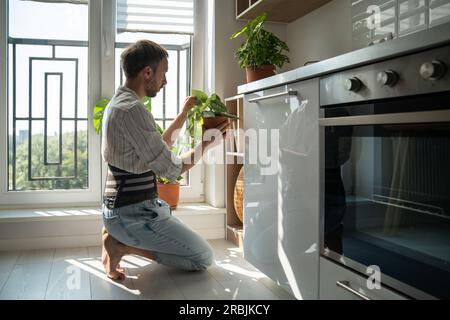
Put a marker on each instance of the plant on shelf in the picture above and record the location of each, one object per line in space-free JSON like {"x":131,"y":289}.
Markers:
{"x":167,"y":190}
{"x":209,"y":111}
{"x":261,"y":52}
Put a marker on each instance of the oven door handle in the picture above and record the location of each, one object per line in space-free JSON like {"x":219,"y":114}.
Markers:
{"x":275,"y":95}
{"x":346,"y":285}
{"x":389,"y":118}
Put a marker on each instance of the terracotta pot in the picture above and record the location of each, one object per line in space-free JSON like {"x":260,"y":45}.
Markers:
{"x":170,"y":193}
{"x":213,"y":122}
{"x":259,"y":73}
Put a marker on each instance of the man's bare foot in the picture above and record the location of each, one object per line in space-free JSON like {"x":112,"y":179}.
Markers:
{"x":112,"y":253}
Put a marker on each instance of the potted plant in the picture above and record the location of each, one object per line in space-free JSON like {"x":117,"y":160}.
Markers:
{"x":209,"y":112}
{"x":167,"y":191}
{"x":261,"y":52}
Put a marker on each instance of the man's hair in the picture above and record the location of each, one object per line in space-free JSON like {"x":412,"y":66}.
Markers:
{"x":141,"y":54}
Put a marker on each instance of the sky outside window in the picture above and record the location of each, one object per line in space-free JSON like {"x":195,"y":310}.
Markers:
{"x":45,"y":83}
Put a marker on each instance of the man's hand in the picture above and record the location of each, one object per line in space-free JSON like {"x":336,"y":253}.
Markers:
{"x":192,"y":157}
{"x":189,"y":103}
{"x":168,"y":135}
{"x":222,"y":128}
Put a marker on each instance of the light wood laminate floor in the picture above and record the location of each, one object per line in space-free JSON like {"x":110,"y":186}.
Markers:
{"x":77,"y":273}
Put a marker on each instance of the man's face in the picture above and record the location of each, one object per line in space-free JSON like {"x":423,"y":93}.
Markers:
{"x":157,"y":80}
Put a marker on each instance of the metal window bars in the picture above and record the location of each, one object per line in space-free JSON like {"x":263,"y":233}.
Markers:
{"x":12,"y":142}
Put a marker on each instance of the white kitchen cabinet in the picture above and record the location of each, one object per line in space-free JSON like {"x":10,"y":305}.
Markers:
{"x":339,"y":283}
{"x":281,"y":194}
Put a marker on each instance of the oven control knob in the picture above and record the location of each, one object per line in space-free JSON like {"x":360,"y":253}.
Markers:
{"x":353,"y":84}
{"x":387,"y":78}
{"x":433,"y":70}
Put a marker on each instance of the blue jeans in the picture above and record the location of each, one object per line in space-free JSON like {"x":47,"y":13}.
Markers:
{"x":149,"y":225}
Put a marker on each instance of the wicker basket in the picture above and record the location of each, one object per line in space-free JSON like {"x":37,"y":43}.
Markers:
{"x":239,"y":195}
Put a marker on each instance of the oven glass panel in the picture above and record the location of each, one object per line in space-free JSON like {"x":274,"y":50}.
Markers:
{"x":387,"y":201}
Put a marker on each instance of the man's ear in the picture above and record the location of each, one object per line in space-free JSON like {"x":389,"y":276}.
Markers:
{"x":147,"y":72}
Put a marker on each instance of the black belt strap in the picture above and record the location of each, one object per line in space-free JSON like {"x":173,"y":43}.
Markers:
{"x":124,"y":188}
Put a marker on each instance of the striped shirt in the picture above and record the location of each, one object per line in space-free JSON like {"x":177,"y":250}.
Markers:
{"x":130,"y":140}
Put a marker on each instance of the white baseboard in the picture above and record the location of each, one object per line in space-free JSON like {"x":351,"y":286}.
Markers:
{"x":25,"y":230}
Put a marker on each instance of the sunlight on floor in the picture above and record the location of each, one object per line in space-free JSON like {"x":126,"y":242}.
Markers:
{"x":228,"y":265}
{"x":62,"y":213}
{"x":94,"y":267}
{"x":234,"y":269}
{"x":78,"y":273}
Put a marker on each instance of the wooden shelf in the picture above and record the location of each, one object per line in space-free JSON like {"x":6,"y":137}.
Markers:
{"x":284,"y":11}
{"x":235,"y":233}
{"x":236,"y":154}
{"x":234,"y":98}
{"x":234,"y":162}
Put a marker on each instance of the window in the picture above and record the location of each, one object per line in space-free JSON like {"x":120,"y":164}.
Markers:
{"x":50,"y":147}
{"x":55,"y":64}
{"x":171,"y":24}
{"x":47,"y":125}
{"x":166,"y":105}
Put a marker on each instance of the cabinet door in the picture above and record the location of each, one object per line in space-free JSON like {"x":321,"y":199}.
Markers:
{"x":281,"y":194}
{"x":339,"y":283}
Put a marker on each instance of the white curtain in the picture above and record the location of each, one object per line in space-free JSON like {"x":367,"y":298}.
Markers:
{"x":158,"y":16}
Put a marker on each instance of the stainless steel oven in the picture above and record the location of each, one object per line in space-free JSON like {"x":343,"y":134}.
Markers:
{"x":385,"y":171}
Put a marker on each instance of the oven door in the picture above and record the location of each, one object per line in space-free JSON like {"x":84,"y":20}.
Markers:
{"x":386,"y":194}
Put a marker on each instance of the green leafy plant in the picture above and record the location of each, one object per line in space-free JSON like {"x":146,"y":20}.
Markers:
{"x":261,"y":47}
{"x":163,"y":180}
{"x":207,"y":107}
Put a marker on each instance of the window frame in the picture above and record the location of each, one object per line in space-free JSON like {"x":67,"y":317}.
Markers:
{"x":41,"y":198}
{"x":101,"y":59}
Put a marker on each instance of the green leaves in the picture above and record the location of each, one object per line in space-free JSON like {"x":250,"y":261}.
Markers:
{"x":99,"y":109}
{"x":238,"y":33}
{"x":261,"y":47}
{"x":166,"y":181}
{"x":207,"y":107}
{"x":252,"y":27}
{"x":200,"y":95}
{"x":147,"y":104}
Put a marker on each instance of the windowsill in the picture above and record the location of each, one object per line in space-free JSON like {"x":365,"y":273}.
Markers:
{"x":92,"y":213}
{"x":196,"y":209}
{"x":68,"y":213}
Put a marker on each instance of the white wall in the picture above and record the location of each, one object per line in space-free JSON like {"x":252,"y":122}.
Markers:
{"x":227,"y":77}
{"x":228,"y":73}
{"x":322,"y":34}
